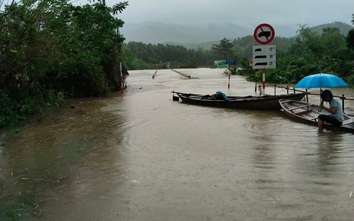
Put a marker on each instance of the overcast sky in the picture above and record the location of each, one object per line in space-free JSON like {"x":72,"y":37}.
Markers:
{"x":241,"y":12}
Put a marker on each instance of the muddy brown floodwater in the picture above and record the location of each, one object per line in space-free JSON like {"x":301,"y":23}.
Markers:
{"x":142,"y":156}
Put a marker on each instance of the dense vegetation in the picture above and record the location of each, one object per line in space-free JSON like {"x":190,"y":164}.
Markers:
{"x":137,"y":55}
{"x":50,"y":49}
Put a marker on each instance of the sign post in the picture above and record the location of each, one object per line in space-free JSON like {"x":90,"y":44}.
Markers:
{"x":121,"y":78}
{"x":228,"y":82}
{"x":264,"y":56}
{"x":229,"y":63}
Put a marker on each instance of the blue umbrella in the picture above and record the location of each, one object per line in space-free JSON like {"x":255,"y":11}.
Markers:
{"x":321,"y":80}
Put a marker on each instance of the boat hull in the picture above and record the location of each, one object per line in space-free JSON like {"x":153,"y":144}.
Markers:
{"x":308,"y":113}
{"x":266,"y":102}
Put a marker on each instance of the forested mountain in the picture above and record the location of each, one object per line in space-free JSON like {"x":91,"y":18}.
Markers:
{"x":204,"y":37}
{"x":343,"y":27}
{"x":154,"y":33}
{"x":279,"y":40}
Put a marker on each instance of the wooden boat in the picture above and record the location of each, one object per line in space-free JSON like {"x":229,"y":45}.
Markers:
{"x":265,"y":102}
{"x":308,"y":113}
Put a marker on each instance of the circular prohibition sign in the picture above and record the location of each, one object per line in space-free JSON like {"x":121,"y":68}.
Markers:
{"x":264,"y":34}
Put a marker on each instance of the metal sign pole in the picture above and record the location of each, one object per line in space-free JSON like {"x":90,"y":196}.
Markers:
{"x":263,"y":80}
{"x":264,"y":55}
{"x":228,"y":83}
{"x":121,"y":78}
{"x":255,"y":82}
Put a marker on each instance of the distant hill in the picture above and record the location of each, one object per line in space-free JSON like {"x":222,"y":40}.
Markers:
{"x":343,"y":27}
{"x":155,"y":32}
{"x":204,"y":37}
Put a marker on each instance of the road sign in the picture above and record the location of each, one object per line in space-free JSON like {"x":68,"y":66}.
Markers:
{"x":264,"y":56}
{"x":231,"y":62}
{"x":264,"y":34}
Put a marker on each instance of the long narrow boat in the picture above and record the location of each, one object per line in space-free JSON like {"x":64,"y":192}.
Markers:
{"x":265,"y":102}
{"x":308,"y":114}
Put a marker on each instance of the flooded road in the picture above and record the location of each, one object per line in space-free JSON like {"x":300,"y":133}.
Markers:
{"x":142,"y":156}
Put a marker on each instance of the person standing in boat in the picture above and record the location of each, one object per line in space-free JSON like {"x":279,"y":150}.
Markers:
{"x":335,"y":109}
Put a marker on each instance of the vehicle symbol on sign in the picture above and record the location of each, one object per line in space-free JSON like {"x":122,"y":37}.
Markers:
{"x":264,"y":34}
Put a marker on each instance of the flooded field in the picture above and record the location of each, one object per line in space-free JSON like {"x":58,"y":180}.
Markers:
{"x":142,"y":156}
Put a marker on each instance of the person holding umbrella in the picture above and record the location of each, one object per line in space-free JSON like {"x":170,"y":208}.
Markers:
{"x":336,"y":113}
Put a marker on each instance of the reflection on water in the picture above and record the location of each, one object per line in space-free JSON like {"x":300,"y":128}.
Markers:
{"x":145,"y":157}
{"x":65,"y":153}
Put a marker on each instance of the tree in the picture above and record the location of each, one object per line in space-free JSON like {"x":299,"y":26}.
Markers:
{"x":138,"y":55}
{"x":51,"y":47}
{"x":350,"y":39}
{"x":224,"y":49}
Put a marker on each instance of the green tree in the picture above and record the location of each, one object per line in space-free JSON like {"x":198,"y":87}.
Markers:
{"x":51,"y":47}
{"x":140,"y":55}
{"x":350,"y":40}
{"x":223,"y":49}
{"x":350,"y":45}
{"x":90,"y":50}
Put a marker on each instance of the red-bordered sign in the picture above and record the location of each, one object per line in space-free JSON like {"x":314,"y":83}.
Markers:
{"x":264,"y":34}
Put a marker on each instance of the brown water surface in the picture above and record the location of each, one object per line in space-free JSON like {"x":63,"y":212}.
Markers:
{"x":142,"y":156}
